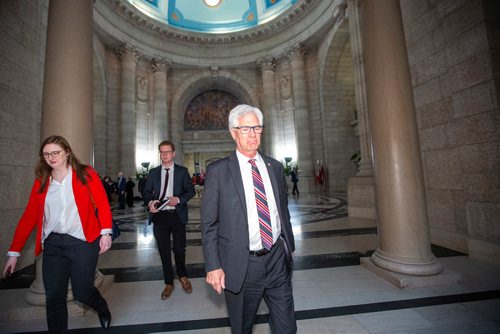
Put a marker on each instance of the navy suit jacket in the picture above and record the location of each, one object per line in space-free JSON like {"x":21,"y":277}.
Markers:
{"x":224,"y":220}
{"x":183,"y":189}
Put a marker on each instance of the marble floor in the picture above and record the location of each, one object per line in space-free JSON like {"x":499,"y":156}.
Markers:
{"x":333,"y":293}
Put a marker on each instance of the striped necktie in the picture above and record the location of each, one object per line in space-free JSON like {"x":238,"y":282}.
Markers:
{"x":266,"y":232}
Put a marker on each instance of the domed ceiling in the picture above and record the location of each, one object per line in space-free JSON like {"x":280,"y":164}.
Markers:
{"x":213,"y":16}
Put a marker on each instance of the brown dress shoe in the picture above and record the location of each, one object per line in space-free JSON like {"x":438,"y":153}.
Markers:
{"x":167,"y":291}
{"x":186,"y":284}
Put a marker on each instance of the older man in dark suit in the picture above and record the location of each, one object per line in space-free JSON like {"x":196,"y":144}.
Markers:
{"x":166,"y":193}
{"x":246,"y":231}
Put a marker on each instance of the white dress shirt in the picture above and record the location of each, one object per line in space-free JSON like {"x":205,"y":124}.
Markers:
{"x":253,"y":216}
{"x":170,"y":185}
{"x":60,"y":214}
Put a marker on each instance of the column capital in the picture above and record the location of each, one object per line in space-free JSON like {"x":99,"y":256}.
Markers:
{"x":160,"y":64}
{"x":266,"y":63}
{"x":296,"y":52}
{"x":128,"y":51}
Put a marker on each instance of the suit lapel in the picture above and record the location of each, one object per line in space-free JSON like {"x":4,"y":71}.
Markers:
{"x":234,"y":169}
{"x":157,"y":181}
{"x":273,"y":177}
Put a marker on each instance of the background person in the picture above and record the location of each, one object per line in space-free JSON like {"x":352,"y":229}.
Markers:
{"x":170,"y":181}
{"x":294,"y":175}
{"x":129,"y":191}
{"x":120,"y":191}
{"x":61,"y":209}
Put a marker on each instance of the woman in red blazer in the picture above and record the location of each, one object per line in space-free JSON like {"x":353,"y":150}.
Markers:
{"x":62,"y":206}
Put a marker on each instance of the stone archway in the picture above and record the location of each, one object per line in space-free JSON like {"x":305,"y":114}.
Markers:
{"x":206,"y":144}
{"x":338,"y":110}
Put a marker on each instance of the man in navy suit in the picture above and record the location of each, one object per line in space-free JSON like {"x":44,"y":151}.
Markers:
{"x":166,"y":193}
{"x":246,"y":231}
{"x":121,"y":182}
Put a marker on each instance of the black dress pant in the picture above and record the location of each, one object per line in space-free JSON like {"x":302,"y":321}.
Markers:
{"x":268,"y":277}
{"x":167,"y":224}
{"x":66,"y":257}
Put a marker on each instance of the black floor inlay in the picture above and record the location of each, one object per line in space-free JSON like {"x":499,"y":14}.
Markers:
{"x":175,"y":326}
{"x":23,"y":278}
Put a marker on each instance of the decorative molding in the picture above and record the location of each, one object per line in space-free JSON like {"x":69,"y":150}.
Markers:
{"x":142,"y":89}
{"x":128,"y":51}
{"x":266,"y":63}
{"x":295,"y":52}
{"x":160,"y":64}
{"x":167,"y":32}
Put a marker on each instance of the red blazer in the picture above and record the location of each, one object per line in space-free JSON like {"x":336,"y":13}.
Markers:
{"x":33,"y":214}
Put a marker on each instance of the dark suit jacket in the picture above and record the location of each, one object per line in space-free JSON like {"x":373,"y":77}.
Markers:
{"x":183,"y":188}
{"x":224,"y":220}
{"x":121,"y":184}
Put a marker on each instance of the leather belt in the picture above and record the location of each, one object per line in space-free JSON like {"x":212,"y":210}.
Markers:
{"x":260,"y":252}
{"x":168,"y":211}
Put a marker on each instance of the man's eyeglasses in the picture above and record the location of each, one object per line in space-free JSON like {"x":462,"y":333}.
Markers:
{"x":246,"y":129}
{"x":54,"y":154}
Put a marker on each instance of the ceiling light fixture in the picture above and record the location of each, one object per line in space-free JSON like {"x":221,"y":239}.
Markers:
{"x":212,"y":3}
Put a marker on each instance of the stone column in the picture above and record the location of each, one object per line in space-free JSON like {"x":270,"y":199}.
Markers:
{"x":160,"y":108}
{"x":67,"y":95}
{"x":269,"y":106}
{"x":68,"y":79}
{"x":360,"y":189}
{"x":129,"y":57}
{"x":365,"y":165}
{"x":404,"y":241}
{"x":296,"y":58}
{"x":176,"y":128}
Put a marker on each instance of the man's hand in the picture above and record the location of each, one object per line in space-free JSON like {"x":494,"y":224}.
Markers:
{"x":152,"y":206}
{"x":217,"y":279}
{"x":173,"y":201}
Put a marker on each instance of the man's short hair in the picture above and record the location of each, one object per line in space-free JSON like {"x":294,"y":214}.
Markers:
{"x":241,"y":110}
{"x":165,"y":143}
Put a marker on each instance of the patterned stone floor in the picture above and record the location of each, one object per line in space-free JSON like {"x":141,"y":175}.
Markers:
{"x":333,"y":293}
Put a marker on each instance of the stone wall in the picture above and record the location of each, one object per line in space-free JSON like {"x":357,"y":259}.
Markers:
{"x":452,"y":52}
{"x":23,"y":26}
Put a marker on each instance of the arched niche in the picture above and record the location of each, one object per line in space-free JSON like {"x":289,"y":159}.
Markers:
{"x":200,"y":145}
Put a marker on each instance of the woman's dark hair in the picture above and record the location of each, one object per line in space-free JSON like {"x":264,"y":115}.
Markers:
{"x":43,"y":170}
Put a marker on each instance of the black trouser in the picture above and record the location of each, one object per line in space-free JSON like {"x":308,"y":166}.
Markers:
{"x":168,"y":224}
{"x":130,"y":199}
{"x":268,"y":277}
{"x":121,"y":200}
{"x":67,"y":257}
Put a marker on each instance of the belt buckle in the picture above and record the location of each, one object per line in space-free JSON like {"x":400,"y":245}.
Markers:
{"x":261,"y":252}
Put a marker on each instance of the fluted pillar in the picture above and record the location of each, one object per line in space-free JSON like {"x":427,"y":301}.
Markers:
{"x":160,"y":108}
{"x":129,"y":57}
{"x":269,"y":106}
{"x":404,"y":238}
{"x":303,"y":137}
{"x":365,"y":165}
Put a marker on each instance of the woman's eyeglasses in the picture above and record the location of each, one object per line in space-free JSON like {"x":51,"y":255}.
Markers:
{"x":54,"y":154}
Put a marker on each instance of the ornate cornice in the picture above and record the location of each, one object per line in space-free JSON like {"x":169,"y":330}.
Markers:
{"x":165,"y":31}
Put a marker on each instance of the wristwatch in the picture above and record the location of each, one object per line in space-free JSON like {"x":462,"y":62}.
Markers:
{"x":108,"y":234}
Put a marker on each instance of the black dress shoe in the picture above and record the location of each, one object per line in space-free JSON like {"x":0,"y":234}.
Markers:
{"x":105,"y":318}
